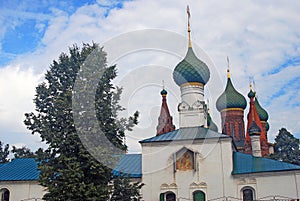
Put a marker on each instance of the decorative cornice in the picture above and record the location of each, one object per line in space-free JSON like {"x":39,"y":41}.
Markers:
{"x":192,"y":84}
{"x":233,"y":109}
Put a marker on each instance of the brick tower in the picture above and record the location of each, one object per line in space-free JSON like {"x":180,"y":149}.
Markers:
{"x":252,"y":118}
{"x":263,"y":116}
{"x":165,"y":120}
{"x":231,"y":104}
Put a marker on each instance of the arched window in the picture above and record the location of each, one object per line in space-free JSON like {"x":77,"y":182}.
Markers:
{"x":248,"y":194}
{"x":169,"y":196}
{"x":198,"y":196}
{"x":4,"y":194}
{"x":232,"y":131}
{"x":162,"y":197}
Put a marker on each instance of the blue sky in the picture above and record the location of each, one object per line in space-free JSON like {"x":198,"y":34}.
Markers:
{"x":24,"y":23}
{"x":261,"y":38}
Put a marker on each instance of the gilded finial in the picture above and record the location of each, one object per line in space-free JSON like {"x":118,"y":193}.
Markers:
{"x":228,"y":71}
{"x":189,"y":26}
{"x":255,"y":95}
{"x":163,"y":91}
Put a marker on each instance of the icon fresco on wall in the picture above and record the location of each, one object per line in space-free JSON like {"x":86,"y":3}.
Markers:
{"x":185,"y":160}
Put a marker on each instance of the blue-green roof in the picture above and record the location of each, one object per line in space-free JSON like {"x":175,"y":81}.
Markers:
{"x":19,"y":169}
{"x":191,"y":133}
{"x":130,"y":165}
{"x":24,"y":169}
{"x":246,"y":163}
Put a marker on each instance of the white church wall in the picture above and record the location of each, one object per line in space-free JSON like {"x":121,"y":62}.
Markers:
{"x":212,"y":176}
{"x":22,"y":190}
{"x":159,"y":175}
{"x":283,"y":184}
{"x":269,"y":185}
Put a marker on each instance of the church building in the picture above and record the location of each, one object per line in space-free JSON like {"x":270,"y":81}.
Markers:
{"x":195,"y":162}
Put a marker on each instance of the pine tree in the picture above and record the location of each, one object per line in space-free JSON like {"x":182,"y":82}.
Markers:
{"x":4,"y":152}
{"x":65,"y":120}
{"x":286,"y":147}
{"x":125,"y":190}
{"x":22,"y":152}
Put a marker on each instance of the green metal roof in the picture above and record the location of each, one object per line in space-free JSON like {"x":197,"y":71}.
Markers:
{"x":191,"y":133}
{"x":129,"y":165}
{"x":267,"y":126}
{"x":25,"y":169}
{"x":191,"y":69}
{"x":251,"y":94}
{"x":163,"y":92}
{"x":246,"y":164}
{"x":19,"y":169}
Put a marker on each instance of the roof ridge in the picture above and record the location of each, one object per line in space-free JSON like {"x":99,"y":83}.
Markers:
{"x":188,"y":133}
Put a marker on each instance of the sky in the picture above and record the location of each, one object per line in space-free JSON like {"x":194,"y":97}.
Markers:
{"x":146,"y":39}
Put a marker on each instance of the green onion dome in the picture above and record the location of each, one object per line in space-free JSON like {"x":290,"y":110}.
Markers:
{"x":163,"y":92}
{"x":254,"y":129}
{"x":191,"y":69}
{"x":251,"y":94}
{"x":267,"y":126}
{"x":230,"y":98}
{"x":263,"y":115}
{"x":210,"y":124}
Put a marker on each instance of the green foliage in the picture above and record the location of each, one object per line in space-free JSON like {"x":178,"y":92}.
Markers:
{"x":125,"y":190}
{"x":286,"y":147}
{"x":22,"y":152}
{"x":68,"y":170}
{"x":4,"y":152}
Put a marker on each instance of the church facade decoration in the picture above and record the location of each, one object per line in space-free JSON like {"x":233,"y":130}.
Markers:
{"x":185,"y":160}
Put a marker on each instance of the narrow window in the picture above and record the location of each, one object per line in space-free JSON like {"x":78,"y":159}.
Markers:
{"x":162,"y":197}
{"x":4,"y":194}
{"x":170,"y":197}
{"x":242,"y":137}
{"x":232,"y":131}
{"x":248,"y":194}
{"x":198,"y":196}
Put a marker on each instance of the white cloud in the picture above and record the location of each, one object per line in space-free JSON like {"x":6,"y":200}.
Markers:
{"x":17,"y":91}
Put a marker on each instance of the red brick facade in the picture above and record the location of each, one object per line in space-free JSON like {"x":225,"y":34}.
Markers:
{"x":253,"y":116}
{"x":233,"y":125}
